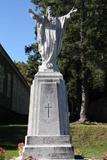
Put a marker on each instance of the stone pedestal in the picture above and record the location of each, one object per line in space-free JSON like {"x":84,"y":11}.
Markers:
{"x":48,"y":127}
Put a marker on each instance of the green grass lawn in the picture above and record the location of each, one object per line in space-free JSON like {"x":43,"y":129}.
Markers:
{"x":88,"y":140}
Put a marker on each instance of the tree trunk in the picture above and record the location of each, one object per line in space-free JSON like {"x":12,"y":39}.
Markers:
{"x":84,"y":104}
{"x":84,"y":95}
{"x":105,"y":82}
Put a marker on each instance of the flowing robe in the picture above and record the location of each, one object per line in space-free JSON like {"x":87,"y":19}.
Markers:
{"x":49,"y":37}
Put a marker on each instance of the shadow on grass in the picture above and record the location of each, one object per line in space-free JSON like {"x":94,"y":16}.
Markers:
{"x":13,"y":129}
{"x":11,"y":135}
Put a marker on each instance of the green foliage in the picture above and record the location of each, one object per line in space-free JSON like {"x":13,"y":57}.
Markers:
{"x":30,"y":68}
{"x":33,"y":62}
{"x":32,"y":47}
{"x":23,"y":68}
{"x":98,"y":77}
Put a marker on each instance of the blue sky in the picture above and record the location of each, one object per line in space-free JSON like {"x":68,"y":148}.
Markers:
{"x":16,"y":27}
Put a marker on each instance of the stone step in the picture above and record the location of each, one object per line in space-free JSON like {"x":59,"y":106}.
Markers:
{"x":52,"y":140}
{"x":49,"y":152}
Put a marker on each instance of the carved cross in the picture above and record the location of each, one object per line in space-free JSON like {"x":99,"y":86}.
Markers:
{"x":48,"y":107}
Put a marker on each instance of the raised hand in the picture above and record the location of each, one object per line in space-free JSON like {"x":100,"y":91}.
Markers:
{"x":71,"y":11}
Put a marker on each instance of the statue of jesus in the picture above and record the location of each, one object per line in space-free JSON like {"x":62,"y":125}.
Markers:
{"x":49,"y":37}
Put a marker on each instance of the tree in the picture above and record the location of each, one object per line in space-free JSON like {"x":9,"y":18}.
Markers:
{"x":29,"y":69}
{"x":91,"y":16}
{"x":23,"y":68}
{"x":33,"y":62}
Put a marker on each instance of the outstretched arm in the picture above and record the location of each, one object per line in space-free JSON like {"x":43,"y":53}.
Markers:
{"x":34,"y":16}
{"x":71,"y":11}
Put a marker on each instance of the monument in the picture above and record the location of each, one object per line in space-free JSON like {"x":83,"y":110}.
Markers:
{"x":48,"y":136}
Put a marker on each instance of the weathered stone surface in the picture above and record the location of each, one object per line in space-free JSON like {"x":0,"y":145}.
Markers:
{"x":49,"y":152}
{"x":48,"y":108}
{"x":51,"y":140}
{"x":48,"y":127}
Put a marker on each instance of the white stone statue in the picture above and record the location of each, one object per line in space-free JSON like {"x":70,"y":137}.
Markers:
{"x":49,"y":36}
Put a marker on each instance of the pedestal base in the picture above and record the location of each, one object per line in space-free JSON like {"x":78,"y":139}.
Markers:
{"x":49,"y":147}
{"x":48,"y":128}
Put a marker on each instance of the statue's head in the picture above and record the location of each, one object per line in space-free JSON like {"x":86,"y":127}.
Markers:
{"x":49,"y":11}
